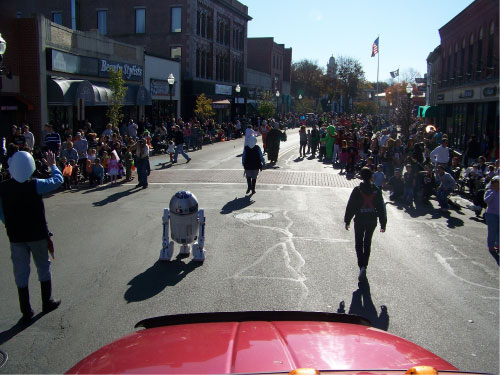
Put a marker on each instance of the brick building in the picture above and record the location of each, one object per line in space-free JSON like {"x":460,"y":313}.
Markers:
{"x":207,"y":36}
{"x":61,"y":76}
{"x":267,"y":56}
{"x":20,"y":98}
{"x":466,"y":87}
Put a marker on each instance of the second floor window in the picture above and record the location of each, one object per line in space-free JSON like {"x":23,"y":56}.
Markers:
{"x":57,"y":17}
{"x":140,"y":20}
{"x":102,"y":21}
{"x":176,"y":20}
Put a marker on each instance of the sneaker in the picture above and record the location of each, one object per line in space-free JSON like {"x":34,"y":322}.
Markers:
{"x":188,"y":161}
{"x":362,"y":274}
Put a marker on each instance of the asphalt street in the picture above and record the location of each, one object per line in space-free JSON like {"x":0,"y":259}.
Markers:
{"x":431,"y":279}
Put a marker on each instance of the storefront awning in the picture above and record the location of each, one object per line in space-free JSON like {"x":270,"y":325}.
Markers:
{"x":428,"y":111}
{"x":67,"y":92}
{"x":221,"y":104}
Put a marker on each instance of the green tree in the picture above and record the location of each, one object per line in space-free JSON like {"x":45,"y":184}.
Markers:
{"x":118,"y":92}
{"x":367,"y":107}
{"x":266,"y":108}
{"x":351,"y":76}
{"x":307,"y":79}
{"x":204,"y":109}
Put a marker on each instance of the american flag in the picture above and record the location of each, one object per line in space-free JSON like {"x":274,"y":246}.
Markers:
{"x":375,"y":47}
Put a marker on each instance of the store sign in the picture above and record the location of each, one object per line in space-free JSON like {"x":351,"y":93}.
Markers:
{"x":440,"y":97}
{"x":159,"y":87}
{"x":68,"y":63}
{"x":223,"y":89}
{"x":489,"y":91}
{"x":130,"y":72}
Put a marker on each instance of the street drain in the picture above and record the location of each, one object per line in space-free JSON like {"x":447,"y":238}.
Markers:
{"x":253,"y":216}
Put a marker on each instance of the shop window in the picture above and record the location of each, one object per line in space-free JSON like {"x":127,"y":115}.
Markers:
{"x":140,"y":20}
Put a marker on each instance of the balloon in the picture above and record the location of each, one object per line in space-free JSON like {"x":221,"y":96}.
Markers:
{"x":21,"y":166}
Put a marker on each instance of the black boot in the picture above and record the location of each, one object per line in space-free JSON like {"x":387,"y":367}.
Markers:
{"x":254,"y":181}
{"x":24,"y":303}
{"x":48,"y":304}
{"x":249,"y":183}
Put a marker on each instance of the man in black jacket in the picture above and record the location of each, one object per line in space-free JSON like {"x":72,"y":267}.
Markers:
{"x":365,"y":204}
{"x":23,"y":213}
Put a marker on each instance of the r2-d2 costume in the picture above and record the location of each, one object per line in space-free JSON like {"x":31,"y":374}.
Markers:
{"x":187,"y":224}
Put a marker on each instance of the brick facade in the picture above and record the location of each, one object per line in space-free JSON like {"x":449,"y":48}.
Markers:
{"x":22,"y":60}
{"x":467,"y":76}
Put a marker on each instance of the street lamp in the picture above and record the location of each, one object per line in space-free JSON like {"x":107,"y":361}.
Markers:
{"x":277,"y":98}
{"x":3,"y":47}
{"x":171,"y":81}
{"x":237,"y":89}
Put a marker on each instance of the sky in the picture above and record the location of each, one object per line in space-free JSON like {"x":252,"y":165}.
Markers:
{"x":318,"y":29}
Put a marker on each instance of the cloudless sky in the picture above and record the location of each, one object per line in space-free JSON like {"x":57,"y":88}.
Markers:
{"x":318,"y":29}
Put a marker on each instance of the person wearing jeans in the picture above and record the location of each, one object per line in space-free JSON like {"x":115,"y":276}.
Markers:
{"x":491,"y":197}
{"x":446,"y":186}
{"x":179,"y":145}
{"x":142,"y":163}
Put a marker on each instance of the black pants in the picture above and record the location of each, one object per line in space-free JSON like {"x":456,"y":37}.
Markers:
{"x":363,"y":232}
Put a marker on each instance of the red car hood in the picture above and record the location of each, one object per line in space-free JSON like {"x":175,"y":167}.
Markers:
{"x":257,"y":346}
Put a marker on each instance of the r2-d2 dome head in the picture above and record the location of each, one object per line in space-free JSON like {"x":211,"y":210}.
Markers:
{"x":184,"y":220}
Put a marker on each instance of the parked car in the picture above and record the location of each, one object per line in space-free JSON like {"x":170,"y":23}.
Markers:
{"x":260,"y":342}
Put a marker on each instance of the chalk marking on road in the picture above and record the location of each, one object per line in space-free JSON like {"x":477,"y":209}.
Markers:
{"x":294,"y":262}
{"x":450,"y":270}
{"x":321,"y":239}
{"x":486,"y":270}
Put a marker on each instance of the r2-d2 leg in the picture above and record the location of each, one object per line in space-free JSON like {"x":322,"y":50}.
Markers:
{"x":167,"y":246}
{"x":198,"y":248}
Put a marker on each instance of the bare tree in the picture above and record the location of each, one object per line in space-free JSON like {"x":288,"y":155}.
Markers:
{"x":409,"y":75}
{"x":350,"y":75}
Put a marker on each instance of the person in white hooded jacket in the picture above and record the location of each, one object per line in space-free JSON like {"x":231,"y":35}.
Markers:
{"x":253,"y":162}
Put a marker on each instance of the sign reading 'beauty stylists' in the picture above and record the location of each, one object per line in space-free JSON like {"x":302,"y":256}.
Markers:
{"x":131,"y":72}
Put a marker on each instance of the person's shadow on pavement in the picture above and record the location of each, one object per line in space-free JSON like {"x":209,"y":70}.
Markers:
{"x":236,"y":204}
{"x":18,"y":328}
{"x":156,"y":278}
{"x":362,"y":305}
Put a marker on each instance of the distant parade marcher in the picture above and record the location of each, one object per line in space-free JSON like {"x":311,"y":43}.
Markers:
{"x":365,"y":204}
{"x":142,"y":162}
{"x":274,"y":137}
{"x":23,"y":213}
{"x":253,"y":162}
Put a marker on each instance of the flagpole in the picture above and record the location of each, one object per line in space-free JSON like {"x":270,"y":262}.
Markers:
{"x":378,"y":62}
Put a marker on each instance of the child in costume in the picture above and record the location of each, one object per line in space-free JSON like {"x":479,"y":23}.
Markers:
{"x":113,"y":167}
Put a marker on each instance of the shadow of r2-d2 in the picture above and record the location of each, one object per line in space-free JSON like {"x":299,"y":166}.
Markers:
{"x":187,"y":224}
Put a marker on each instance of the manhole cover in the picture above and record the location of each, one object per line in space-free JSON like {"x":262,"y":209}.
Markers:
{"x":253,"y":216}
{"x":3,"y":358}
